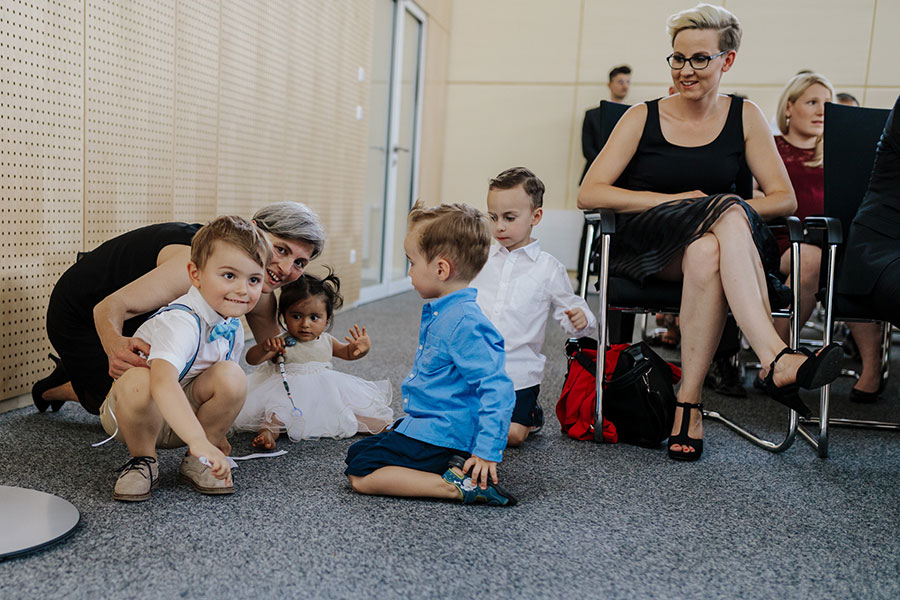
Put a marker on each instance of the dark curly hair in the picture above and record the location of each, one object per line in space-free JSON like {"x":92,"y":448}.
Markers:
{"x":308,"y":286}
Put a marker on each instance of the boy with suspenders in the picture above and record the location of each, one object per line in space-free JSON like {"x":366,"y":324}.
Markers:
{"x":194,"y":387}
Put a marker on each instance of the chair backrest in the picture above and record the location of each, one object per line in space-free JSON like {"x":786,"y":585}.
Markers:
{"x":851,"y":134}
{"x":610,"y":113}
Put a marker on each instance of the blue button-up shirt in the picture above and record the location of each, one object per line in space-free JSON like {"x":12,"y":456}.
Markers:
{"x":458,"y":394}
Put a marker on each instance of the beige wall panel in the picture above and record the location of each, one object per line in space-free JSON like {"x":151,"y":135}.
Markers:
{"x":41,"y":87}
{"x":491,"y":128}
{"x":439,"y":11}
{"x":129,"y":108}
{"x":883,"y":67}
{"x":621,"y":31}
{"x":780,"y":38}
{"x":514,"y":40}
{"x":196,"y":112}
{"x":764,"y":96}
{"x":880,"y":97}
{"x":434,"y":113}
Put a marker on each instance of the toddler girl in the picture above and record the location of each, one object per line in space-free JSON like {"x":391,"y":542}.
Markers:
{"x":322,"y":402}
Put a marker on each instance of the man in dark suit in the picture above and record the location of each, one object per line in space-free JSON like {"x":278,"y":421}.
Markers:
{"x":619,"y":84}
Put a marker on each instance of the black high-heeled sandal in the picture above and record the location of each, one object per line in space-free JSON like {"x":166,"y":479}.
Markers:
{"x":55,"y":379}
{"x":817,"y":370}
{"x":683,"y":439}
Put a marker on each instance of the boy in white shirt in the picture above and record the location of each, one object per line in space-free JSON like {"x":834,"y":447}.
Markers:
{"x":194,"y":387}
{"x":518,"y":285}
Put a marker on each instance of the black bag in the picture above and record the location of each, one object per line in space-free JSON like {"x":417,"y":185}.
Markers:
{"x":640,"y":396}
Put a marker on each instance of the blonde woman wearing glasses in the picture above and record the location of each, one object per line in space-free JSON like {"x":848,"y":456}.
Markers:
{"x":681,"y":218}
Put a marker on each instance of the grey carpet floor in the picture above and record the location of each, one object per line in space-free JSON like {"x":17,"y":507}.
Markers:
{"x":610,"y":521}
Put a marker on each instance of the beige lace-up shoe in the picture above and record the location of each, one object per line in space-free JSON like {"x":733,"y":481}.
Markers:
{"x":199,"y":476}
{"x":136,"y":478}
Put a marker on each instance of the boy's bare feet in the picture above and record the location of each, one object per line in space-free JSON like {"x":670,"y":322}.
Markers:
{"x":265,"y":440}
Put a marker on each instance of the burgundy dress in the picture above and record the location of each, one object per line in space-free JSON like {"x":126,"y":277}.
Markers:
{"x":808,"y":182}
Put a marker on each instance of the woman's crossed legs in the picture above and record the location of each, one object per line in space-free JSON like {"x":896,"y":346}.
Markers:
{"x":719,"y":270}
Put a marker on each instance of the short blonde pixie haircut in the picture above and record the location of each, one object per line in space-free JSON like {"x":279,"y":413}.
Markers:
{"x":708,"y":16}
{"x":236,"y":231}
{"x":795,"y":88}
{"x":457,"y":232}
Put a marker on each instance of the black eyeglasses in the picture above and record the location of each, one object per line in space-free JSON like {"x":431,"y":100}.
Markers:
{"x":698,"y":63}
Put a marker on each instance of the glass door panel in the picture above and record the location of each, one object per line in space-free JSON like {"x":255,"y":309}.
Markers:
{"x":393,"y":157}
{"x":372,"y":259}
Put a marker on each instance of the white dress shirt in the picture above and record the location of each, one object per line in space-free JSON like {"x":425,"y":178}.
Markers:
{"x":174,"y":336}
{"x":516,"y":290}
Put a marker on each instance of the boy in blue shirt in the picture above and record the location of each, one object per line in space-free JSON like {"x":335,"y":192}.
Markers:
{"x":458,"y":398}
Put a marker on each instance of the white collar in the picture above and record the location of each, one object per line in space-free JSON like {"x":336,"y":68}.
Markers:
{"x":532,"y":250}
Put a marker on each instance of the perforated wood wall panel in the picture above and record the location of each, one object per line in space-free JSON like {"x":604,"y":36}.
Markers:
{"x":287,"y":123}
{"x":196,"y":113}
{"x":129,"y":65}
{"x":41,"y":87}
{"x":116,"y":114}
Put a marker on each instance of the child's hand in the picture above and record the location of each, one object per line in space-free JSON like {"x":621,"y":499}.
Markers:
{"x":577,"y":317}
{"x":274,"y":344}
{"x":480,"y":470}
{"x":218,"y":463}
{"x":358,"y":341}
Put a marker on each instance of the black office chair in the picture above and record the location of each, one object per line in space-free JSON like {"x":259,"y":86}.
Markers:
{"x":851,"y":135}
{"x":610,"y":113}
{"x":621,"y":294}
{"x":621,"y":325}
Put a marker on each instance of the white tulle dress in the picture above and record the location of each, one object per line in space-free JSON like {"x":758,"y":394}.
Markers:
{"x":333,"y":404}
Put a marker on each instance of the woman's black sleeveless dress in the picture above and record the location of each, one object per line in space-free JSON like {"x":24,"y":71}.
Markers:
{"x":70,"y":312}
{"x":646,"y":242}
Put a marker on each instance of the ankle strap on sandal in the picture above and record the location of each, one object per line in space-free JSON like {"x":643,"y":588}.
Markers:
{"x":785,"y":350}
{"x":698,"y":406}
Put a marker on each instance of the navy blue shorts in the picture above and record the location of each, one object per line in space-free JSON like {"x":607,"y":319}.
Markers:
{"x":392,"y":449}
{"x":526,"y":401}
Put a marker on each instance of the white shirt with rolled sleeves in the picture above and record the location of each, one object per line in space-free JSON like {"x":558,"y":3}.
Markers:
{"x":173,"y":337}
{"x":516,"y":290}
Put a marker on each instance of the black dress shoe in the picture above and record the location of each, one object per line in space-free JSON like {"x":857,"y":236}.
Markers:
{"x":862,"y":397}
{"x":55,"y":379}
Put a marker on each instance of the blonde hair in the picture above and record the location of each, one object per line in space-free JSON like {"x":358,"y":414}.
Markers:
{"x":708,"y":16}
{"x":457,"y":232}
{"x":235,"y":231}
{"x":795,"y":88}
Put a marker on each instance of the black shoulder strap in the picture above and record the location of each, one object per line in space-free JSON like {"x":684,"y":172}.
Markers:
{"x":586,"y":363}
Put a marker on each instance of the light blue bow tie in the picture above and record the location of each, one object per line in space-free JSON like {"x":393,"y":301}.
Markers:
{"x":225,"y":329}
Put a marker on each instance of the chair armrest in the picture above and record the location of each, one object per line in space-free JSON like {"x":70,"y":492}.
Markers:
{"x":834,"y":233}
{"x":606,"y":218}
{"x":792,"y":224}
